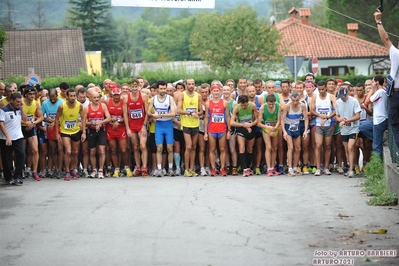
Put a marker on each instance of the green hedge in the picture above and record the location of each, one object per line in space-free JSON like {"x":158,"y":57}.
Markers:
{"x":165,"y":74}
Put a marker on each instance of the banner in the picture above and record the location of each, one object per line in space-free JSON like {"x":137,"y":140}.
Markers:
{"x":166,"y":3}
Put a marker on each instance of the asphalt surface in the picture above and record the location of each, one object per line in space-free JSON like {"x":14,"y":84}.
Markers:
{"x":257,"y":220}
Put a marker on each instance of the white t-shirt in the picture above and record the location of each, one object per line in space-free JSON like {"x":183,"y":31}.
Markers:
{"x":347,"y":110}
{"x":394,"y":57}
{"x":380,"y":108}
{"x":12,"y":122}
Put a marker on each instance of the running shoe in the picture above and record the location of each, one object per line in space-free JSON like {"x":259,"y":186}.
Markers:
{"x":270,"y":172}
{"x":18,"y":182}
{"x":305,"y":170}
{"x":160,"y":173}
{"x":193,"y":173}
{"x":257,"y":171}
{"x":67,"y":177}
{"x":340,"y":170}
{"x":246,"y":172}
{"x":93,"y":173}
{"x":137,"y":171}
{"x":223,"y":172}
{"x":36,"y":176}
{"x":350,"y":174}
{"x":128,"y":171}
{"x":178,"y":172}
{"x":275,"y":172}
{"x":116,"y":173}
{"x":318,"y":172}
{"x":327,"y":171}
{"x":314,"y":169}
{"x":171,"y":173}
{"x":144,"y":172}
{"x":357,"y":170}
{"x":74,"y":174}
{"x":42,"y":174}
{"x":207,"y":170}
{"x":234,"y":171}
{"x":213,"y":172}
{"x":291,"y":172}
{"x":100,"y":174}
{"x":85,"y":174}
{"x":203,"y":172}
{"x":188,"y":173}
{"x":281,"y":170}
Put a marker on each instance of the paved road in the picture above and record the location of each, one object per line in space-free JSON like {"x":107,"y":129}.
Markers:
{"x":190,"y":221}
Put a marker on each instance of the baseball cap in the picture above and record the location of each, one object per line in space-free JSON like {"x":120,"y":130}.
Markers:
{"x":277,"y":83}
{"x":116,"y":90}
{"x":28,"y":89}
{"x":339,"y":80}
{"x":342,"y":92}
{"x":112,"y":85}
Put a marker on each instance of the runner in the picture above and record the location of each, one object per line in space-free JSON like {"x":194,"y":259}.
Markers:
{"x":189,"y":108}
{"x":217,"y":123}
{"x":68,"y":118}
{"x":136,"y":125}
{"x":245,"y":118}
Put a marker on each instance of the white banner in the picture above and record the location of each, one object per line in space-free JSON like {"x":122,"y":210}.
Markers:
{"x":166,"y":3}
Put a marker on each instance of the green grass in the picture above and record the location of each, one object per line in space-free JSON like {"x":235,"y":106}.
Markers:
{"x":375,"y":184}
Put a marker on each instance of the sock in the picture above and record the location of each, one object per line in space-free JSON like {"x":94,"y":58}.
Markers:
{"x":248,"y":158}
{"x":170,"y":166}
{"x":177,"y":159}
{"x":159,"y":166}
{"x":241,"y":160}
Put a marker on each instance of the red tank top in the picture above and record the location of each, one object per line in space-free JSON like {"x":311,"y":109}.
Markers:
{"x":93,"y":116}
{"x":115,"y":111}
{"x":217,"y":117}
{"x":136,"y":111}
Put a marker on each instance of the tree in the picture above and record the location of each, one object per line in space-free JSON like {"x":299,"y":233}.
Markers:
{"x":8,"y":20}
{"x":236,"y":39}
{"x":362,"y":10}
{"x":319,"y":15}
{"x":3,"y":39}
{"x":97,"y":24}
{"x":39,"y":17}
{"x":171,"y":41}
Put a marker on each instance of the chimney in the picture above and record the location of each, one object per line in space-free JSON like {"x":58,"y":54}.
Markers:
{"x":304,"y":13}
{"x":352,"y":29}
{"x":293,"y":13}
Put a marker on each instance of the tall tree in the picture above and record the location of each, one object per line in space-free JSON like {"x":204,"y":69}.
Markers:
{"x":38,"y":18}
{"x":236,"y":39}
{"x":7,"y":19}
{"x":362,"y":10}
{"x":97,"y":24}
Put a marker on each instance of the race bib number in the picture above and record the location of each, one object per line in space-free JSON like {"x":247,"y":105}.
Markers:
{"x":178,"y":117}
{"x":162,"y":111}
{"x":324,"y":111}
{"x":293,"y":127}
{"x":93,"y":121}
{"x":70,"y":124}
{"x":30,"y":117}
{"x":52,"y":115}
{"x":348,"y":124}
{"x":191,"y":109}
{"x":271,"y":124}
{"x":136,"y":114}
{"x":217,"y":118}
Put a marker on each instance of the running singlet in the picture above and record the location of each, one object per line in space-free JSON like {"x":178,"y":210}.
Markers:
{"x":162,"y":107}
{"x":190,"y":104}
{"x":115,"y":111}
{"x":231,"y":106}
{"x":270,"y":119}
{"x":70,"y":119}
{"x":136,"y":112}
{"x":292,"y":119}
{"x":94,"y":116}
{"x":217,"y":117}
{"x":324,"y":107}
{"x":30,"y":111}
{"x":245,"y":116}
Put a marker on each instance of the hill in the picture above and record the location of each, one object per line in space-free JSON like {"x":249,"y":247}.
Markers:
{"x":23,"y":12}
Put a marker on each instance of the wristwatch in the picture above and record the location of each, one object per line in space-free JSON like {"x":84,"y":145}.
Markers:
{"x":190,"y":113}
{"x":379,"y":22}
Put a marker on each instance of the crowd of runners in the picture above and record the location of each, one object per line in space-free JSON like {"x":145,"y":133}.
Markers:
{"x":254,"y":127}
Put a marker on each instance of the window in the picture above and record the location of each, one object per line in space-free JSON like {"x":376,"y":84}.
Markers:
{"x":336,"y":70}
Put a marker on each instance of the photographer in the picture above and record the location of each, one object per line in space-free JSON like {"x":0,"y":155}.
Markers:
{"x":393,"y":112}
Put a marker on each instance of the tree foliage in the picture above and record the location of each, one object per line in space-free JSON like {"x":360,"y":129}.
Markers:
{"x":38,"y":17}
{"x":97,"y":24}
{"x":3,"y":39}
{"x":363,"y":10}
{"x":237,"y":38}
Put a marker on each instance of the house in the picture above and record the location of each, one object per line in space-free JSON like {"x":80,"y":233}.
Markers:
{"x":50,"y":52}
{"x":336,"y":52}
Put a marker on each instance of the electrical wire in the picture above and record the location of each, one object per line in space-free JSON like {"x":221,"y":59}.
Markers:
{"x":339,"y":13}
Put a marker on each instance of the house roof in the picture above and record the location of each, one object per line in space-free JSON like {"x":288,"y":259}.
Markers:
{"x":51,"y":52}
{"x":314,"y":41}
